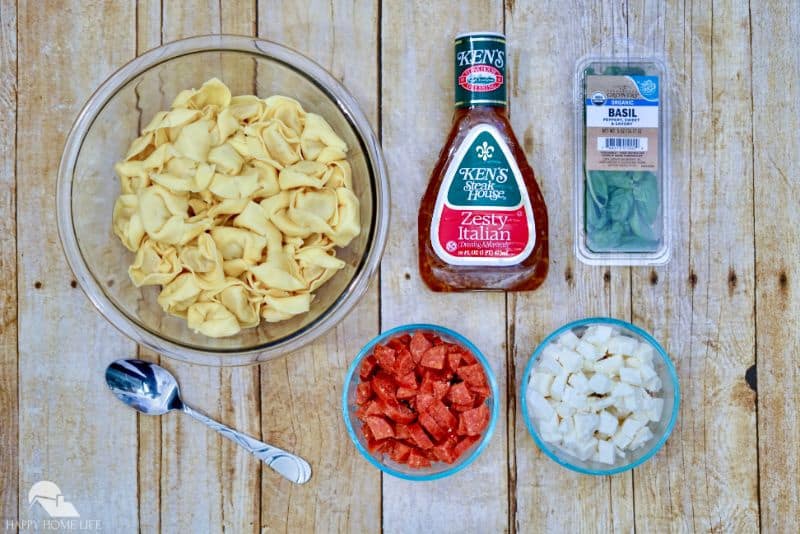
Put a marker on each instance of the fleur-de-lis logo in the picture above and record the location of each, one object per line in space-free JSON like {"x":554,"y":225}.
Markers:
{"x":484,"y":151}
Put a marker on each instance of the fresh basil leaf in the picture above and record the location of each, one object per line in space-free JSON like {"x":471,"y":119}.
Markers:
{"x":605,"y":239}
{"x":620,"y":179}
{"x":596,"y":217}
{"x":640,"y":226}
{"x":620,"y":205}
{"x":597,"y":188}
{"x":647,"y":199}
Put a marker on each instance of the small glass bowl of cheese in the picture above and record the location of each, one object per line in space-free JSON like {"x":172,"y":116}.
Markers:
{"x":88,"y":188}
{"x":600,"y":396}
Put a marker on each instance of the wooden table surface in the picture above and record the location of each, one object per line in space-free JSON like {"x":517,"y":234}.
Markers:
{"x":725,"y":306}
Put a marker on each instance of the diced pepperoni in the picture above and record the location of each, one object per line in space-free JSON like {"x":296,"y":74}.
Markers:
{"x":385,"y":357}
{"x":401,"y":431}
{"x":443,"y":417}
{"x":461,"y":407}
{"x":363,"y":392}
{"x":406,"y":393}
{"x":398,"y":343}
{"x":424,"y":400}
{"x":383,"y":386}
{"x":419,"y":344}
{"x":435,"y":385}
{"x":473,"y":374}
{"x":444,"y":452}
{"x":434,"y":429}
{"x":459,"y":394}
{"x":465,"y":443}
{"x":380,"y":427}
{"x":367,"y":366}
{"x":480,"y":391}
{"x":475,"y":420}
{"x":399,"y":452}
{"x":369,"y":408}
{"x":453,"y":361}
{"x":434,"y":357}
{"x":397,"y":411}
{"x":367,"y":433}
{"x":408,"y":380}
{"x":419,"y":437}
{"x":468,"y":358}
{"x":403,"y":363}
{"x":417,"y":460}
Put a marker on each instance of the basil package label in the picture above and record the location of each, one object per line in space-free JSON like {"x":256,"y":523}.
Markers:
{"x":480,"y":70}
{"x":622,"y":123}
{"x":483,"y":214}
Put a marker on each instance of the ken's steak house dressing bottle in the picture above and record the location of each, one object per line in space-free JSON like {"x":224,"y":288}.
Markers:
{"x":482,"y":220}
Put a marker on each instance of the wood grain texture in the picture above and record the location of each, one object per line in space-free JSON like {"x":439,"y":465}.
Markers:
{"x":417,"y":104}
{"x":776,"y":143}
{"x":549,"y":497}
{"x":9,"y":410}
{"x":72,"y":433}
{"x":208,"y":483}
{"x":301,"y":392}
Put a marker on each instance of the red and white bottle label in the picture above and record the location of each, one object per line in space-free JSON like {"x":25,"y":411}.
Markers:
{"x":483,"y":213}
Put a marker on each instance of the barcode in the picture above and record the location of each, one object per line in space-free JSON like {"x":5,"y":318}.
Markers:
{"x":636,"y":144}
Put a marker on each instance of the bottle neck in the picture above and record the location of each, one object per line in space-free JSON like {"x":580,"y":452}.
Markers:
{"x":480,"y":71}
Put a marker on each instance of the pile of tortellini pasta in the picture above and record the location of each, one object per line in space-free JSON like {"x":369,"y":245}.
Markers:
{"x":235,"y":206}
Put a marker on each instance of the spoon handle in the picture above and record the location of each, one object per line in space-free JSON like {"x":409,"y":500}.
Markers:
{"x":284,"y":463}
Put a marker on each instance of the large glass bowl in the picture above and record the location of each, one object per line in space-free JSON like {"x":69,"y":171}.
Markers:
{"x":661,"y":430}
{"x":88,"y":187}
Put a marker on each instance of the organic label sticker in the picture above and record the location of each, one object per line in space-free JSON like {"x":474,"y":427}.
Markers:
{"x":483,"y":214}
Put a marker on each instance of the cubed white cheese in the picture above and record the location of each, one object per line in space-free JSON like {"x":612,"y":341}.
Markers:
{"x":588,"y":351}
{"x":568,"y":339}
{"x":621,"y":389}
{"x":549,"y":424}
{"x":566,"y":426}
{"x":653,"y":385}
{"x":585,"y":424}
{"x":579,"y":382}
{"x":600,"y":383}
{"x":632,"y":362}
{"x":541,"y":382}
{"x":610,"y":366}
{"x":570,"y":360}
{"x":557,"y":387}
{"x":565,"y":410}
{"x":655,"y":409}
{"x":597,"y":404}
{"x":605,"y":453}
{"x":647,"y":372}
{"x":586,"y":449}
{"x":573,"y":398}
{"x":548,"y":362}
{"x":631,"y":376}
{"x":632,"y":403}
{"x":608,"y":423}
{"x":621,"y":439}
{"x":551,"y":437}
{"x":644,"y":352}
{"x":642,"y":436}
{"x":624,"y":345}
{"x":538,"y":405}
{"x":631,"y":426}
{"x":598,"y":335}
{"x":570,"y":440}
{"x":588,"y":366}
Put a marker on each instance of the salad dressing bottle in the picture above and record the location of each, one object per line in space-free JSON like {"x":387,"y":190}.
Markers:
{"x":482,"y":221}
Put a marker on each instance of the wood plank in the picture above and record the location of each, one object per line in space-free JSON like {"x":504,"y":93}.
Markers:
{"x":701,"y":305}
{"x":9,"y":408}
{"x":776,"y":90}
{"x":148,"y":36}
{"x":72,"y":431}
{"x":209,"y":484}
{"x":549,"y":496}
{"x":301,"y":392}
{"x":417,"y":103}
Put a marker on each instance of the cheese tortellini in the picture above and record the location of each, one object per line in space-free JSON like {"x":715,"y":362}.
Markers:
{"x":235,"y":206}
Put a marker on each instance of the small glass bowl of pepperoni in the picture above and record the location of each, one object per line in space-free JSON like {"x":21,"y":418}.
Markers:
{"x":420,"y":402}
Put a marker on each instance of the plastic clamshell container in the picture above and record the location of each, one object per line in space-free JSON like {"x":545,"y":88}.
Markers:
{"x":622,"y":215}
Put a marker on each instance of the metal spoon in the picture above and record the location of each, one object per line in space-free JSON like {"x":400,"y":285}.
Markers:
{"x":154,"y":391}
